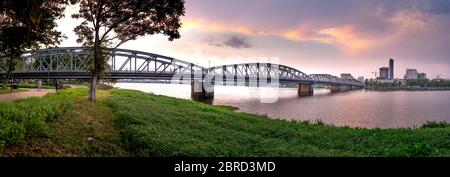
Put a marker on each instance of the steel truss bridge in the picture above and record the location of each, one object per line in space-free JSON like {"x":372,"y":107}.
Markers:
{"x":73,"y":63}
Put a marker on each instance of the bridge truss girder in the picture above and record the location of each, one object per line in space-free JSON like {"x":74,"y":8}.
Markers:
{"x":76,"y":60}
{"x":73,"y":62}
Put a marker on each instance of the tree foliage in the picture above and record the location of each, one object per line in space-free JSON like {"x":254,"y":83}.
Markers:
{"x":28,"y":24}
{"x":111,"y":23}
{"x":122,"y":21}
{"x":428,"y":83}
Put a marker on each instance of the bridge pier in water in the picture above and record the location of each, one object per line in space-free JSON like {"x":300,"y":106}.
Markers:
{"x":305,"y":89}
{"x":335,"y":89}
{"x":356,"y":87}
{"x":201,"y":90}
{"x":345,"y":88}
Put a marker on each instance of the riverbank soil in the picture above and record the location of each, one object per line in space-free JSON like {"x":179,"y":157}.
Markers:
{"x":133,"y":123}
{"x":23,"y":93}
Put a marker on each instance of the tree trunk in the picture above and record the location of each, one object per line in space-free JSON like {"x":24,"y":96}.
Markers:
{"x":95,"y":59}
{"x":6,"y":78}
{"x":97,"y":43}
{"x":93,"y":87}
{"x":8,"y":73}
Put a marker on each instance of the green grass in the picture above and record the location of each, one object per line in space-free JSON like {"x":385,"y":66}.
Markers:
{"x":162,"y":126}
{"x":7,"y":90}
{"x":133,"y":123}
{"x":28,"y":116}
{"x":49,"y":85}
{"x":34,"y":85}
{"x":60,"y":124}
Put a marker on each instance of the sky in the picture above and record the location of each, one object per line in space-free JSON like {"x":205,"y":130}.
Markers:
{"x":313,"y":36}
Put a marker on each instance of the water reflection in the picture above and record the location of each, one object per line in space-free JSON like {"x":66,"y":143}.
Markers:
{"x":355,"y":108}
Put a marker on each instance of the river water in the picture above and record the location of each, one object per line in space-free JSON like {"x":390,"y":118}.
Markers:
{"x":368,"y":109}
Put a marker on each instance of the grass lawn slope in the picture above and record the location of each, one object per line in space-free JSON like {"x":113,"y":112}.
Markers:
{"x":60,"y":124}
{"x":133,"y":123}
{"x":163,"y":126}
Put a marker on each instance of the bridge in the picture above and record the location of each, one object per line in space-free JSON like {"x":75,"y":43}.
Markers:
{"x":73,"y":63}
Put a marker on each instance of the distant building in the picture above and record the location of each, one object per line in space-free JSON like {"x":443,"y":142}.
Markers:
{"x":421,"y":76}
{"x":391,"y":69}
{"x":384,"y":73}
{"x":411,"y":74}
{"x":361,"y":79}
{"x":347,"y":76}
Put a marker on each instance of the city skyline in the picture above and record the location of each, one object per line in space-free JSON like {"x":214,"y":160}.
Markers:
{"x":335,"y":37}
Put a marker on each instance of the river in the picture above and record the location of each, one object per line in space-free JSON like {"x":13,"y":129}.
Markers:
{"x":360,"y":108}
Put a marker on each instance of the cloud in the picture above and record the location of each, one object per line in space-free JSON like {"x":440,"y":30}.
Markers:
{"x":237,"y":42}
{"x":233,"y":41}
{"x":441,"y":66}
{"x":440,"y":6}
{"x":357,"y":35}
{"x":410,"y":19}
{"x":353,"y":26}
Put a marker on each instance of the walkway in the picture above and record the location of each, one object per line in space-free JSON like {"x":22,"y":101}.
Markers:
{"x":27,"y":93}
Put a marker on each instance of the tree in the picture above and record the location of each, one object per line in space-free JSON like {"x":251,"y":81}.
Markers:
{"x":111,"y":23}
{"x":27,"y":24}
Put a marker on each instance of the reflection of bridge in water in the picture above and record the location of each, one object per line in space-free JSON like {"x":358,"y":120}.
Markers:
{"x":72,"y":63}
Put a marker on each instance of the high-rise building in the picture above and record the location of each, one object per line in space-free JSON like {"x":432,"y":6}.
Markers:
{"x":421,"y":76}
{"x":384,"y":73}
{"x":347,"y":76}
{"x":391,"y":69}
{"x":411,"y":74}
{"x":361,"y":79}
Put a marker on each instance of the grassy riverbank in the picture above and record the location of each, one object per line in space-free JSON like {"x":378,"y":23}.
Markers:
{"x":132,"y":123}
{"x":50,"y":85}
{"x":34,"y":85}
{"x":60,"y":124}
{"x":8,"y":90}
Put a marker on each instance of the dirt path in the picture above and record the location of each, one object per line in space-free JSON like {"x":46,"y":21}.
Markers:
{"x":27,"y":93}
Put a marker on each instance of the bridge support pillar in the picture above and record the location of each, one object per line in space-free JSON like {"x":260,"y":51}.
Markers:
{"x":355,"y":88}
{"x":335,"y":88}
{"x":201,"y":90}
{"x":305,"y":89}
{"x":345,"y":88}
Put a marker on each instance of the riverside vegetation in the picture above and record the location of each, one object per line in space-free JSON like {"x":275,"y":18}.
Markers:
{"x":133,"y":123}
{"x":410,"y":85}
{"x":6,"y":90}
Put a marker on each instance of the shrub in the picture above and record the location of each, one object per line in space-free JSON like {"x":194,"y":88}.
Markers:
{"x":434,"y":124}
{"x":104,"y":87}
{"x":411,"y":150}
{"x":29,"y":116}
{"x":34,"y":85}
{"x":10,"y":132}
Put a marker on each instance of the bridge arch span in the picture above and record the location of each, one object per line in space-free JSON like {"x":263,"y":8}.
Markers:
{"x":259,"y":70}
{"x":73,"y":62}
